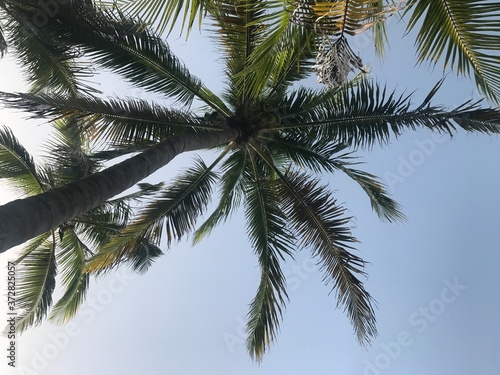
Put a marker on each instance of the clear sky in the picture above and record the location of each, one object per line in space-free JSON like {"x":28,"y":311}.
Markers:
{"x":435,"y":278}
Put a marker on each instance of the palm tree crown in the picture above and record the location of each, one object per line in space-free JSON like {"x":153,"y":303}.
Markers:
{"x":286,"y":137}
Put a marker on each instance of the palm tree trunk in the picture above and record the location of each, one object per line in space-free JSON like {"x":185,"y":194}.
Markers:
{"x":26,"y":218}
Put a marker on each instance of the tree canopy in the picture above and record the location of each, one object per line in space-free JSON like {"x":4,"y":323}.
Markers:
{"x":281,"y":137}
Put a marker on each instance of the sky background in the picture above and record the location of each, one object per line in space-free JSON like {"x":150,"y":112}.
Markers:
{"x":435,"y":278}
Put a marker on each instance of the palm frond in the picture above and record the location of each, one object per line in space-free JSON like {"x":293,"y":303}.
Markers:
{"x":184,"y":201}
{"x":321,"y":226}
{"x":68,"y":153}
{"x":35,"y":283}
{"x":17,"y":166}
{"x":3,"y":42}
{"x":281,"y":55}
{"x":305,"y":151}
{"x":65,"y":133}
{"x":368,"y":114}
{"x":299,"y":31}
{"x":379,"y":31}
{"x":144,"y":255}
{"x":100,"y":224}
{"x":463,"y":35}
{"x":232,"y":184}
{"x":47,"y":61}
{"x":174,"y":211}
{"x":385,"y":207}
{"x":319,"y":155}
{"x":32,"y":244}
{"x":271,"y":241}
{"x":165,"y":14}
{"x":335,"y":60}
{"x":150,"y":62}
{"x":234,"y":38}
{"x":239,"y":28}
{"x":71,"y":261}
{"x":109,"y":38}
{"x":111,"y":217}
{"x":233,"y":35}
{"x":357,"y":116}
{"x":303,"y":103}
{"x":125,"y":122}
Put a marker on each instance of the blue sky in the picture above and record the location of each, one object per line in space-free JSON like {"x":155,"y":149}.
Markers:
{"x":435,"y":278}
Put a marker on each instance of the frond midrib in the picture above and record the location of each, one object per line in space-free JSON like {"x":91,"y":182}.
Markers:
{"x":462,"y":42}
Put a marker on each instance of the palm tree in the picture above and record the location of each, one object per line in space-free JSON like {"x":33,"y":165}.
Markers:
{"x":273,"y":139}
{"x":460,"y":34}
{"x":65,"y":249}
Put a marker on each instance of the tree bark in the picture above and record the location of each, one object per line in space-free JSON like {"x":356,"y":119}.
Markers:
{"x":23,"y":219}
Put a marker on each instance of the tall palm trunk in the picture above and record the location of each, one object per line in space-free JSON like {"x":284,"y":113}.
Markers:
{"x":26,"y":218}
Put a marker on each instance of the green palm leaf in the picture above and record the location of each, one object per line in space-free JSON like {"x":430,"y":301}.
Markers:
{"x":321,"y":225}
{"x":17,"y":166}
{"x":71,"y":259}
{"x":304,"y":104}
{"x":160,"y":13}
{"x":266,"y":227}
{"x":107,"y":220}
{"x":464,"y":35}
{"x":385,"y":207}
{"x":240,"y":28}
{"x":231,"y":29}
{"x":144,"y":255}
{"x":232,"y":190}
{"x":68,"y":153}
{"x":122,"y":122}
{"x":319,"y":155}
{"x":358,"y":116}
{"x":306,"y":151}
{"x":102,"y":223}
{"x":175,"y":211}
{"x":368,"y":114}
{"x":36,"y":272}
{"x":282,"y":53}
{"x":110,"y":39}
{"x":46,"y":59}
{"x":184,"y":201}
{"x":297,"y":32}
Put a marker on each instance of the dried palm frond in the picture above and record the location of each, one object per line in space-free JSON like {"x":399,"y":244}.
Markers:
{"x":334,"y":61}
{"x":334,"y":20}
{"x":342,"y":17}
